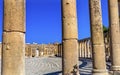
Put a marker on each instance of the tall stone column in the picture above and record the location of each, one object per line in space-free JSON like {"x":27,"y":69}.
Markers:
{"x":99,"y":63}
{"x":13,"y":42}
{"x":69,"y":38}
{"x":114,"y":34}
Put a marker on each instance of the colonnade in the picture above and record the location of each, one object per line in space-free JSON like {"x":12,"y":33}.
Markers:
{"x":84,"y":48}
{"x":13,"y":44}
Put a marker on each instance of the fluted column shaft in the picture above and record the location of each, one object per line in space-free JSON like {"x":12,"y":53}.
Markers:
{"x":99,"y":64}
{"x":13,"y":47}
{"x":69,"y":38}
{"x":114,"y":34}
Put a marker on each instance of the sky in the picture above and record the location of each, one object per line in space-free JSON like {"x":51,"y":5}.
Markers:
{"x":43,"y":20}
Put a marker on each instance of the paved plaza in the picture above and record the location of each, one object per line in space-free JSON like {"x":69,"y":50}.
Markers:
{"x":53,"y":66}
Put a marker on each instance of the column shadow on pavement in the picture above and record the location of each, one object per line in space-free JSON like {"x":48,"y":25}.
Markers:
{"x":84,"y":63}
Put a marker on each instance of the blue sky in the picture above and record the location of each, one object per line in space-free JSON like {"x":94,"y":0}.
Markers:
{"x":43,"y":20}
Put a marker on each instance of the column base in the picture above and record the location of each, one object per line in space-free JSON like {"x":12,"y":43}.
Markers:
{"x":100,"y":72}
{"x":115,"y":68}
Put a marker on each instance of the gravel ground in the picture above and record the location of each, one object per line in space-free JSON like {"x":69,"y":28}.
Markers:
{"x":53,"y":66}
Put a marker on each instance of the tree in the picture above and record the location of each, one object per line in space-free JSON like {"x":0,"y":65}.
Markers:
{"x":105,"y":29}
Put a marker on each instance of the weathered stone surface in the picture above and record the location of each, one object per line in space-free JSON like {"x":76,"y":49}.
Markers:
{"x":69,"y":38}
{"x":13,"y":44}
{"x":70,"y":28}
{"x":96,"y":22}
{"x":99,"y":64}
{"x":99,"y":57}
{"x":114,"y":33}
{"x":13,"y":53}
{"x":69,"y":19}
{"x":14,"y":15}
{"x":70,"y":57}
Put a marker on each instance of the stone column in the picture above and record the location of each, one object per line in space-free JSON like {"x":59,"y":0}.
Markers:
{"x":91,"y":49}
{"x":30,"y":51}
{"x":99,"y":63}
{"x":0,"y":50}
{"x":43,"y":47}
{"x":13,"y":42}
{"x":33,"y":51}
{"x":85,"y":49}
{"x":55,"y":49}
{"x":58,"y":50}
{"x":61,"y":50}
{"x":69,"y":38}
{"x":114,"y":34}
{"x":88,"y":47}
{"x":26,"y":50}
{"x":80,"y":50}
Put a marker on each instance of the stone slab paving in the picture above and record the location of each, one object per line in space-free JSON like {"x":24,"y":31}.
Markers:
{"x":53,"y":66}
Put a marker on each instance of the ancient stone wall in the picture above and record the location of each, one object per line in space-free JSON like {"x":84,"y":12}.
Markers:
{"x":39,"y":50}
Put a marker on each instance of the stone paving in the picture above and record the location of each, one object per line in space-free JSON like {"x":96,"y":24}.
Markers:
{"x":53,"y":66}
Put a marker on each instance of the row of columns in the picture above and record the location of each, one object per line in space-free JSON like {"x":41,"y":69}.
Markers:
{"x":84,"y":49}
{"x":99,"y":63}
{"x":13,"y":47}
